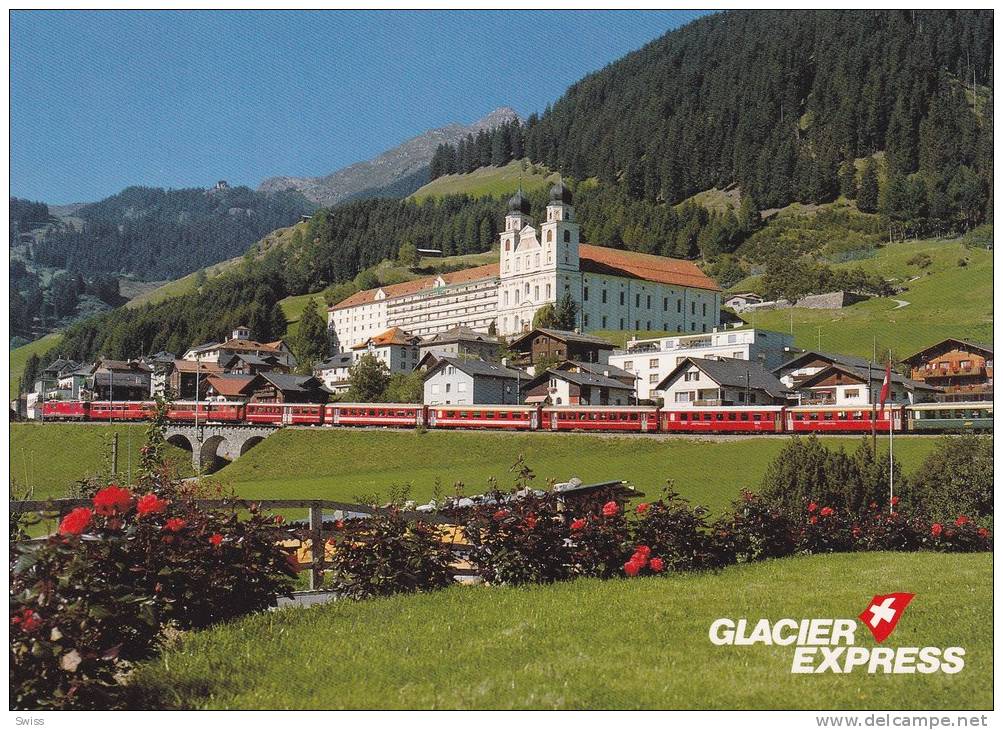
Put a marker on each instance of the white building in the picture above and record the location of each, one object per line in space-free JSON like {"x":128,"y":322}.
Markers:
{"x":697,"y":382}
{"x":537,"y":265}
{"x":652,"y":360}
{"x":241,"y":344}
{"x":845,"y":385}
{"x":334,"y":373}
{"x":461,"y":381}
{"x":396,"y":348}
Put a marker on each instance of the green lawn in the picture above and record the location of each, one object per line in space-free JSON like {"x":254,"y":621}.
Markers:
{"x":485,"y":181}
{"x":50,"y":458}
{"x":342,"y":464}
{"x":946,"y":301}
{"x":19,"y":358}
{"x":588,"y":644}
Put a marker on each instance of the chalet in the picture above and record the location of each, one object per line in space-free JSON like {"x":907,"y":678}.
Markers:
{"x":240,"y":343}
{"x":249,"y":364}
{"x":396,"y":348}
{"x":963,"y":370}
{"x":578,"y":387}
{"x":802,"y":366}
{"x":334,"y":373}
{"x":462,"y":381}
{"x":230,"y":387}
{"x":120,"y":380}
{"x":845,"y":385}
{"x":547,"y":345}
{"x":721,"y":382}
{"x":597,"y":368}
{"x":461,"y":342}
{"x":741,"y":302}
{"x":49,"y":379}
{"x":185,"y":375}
{"x":283,"y":388}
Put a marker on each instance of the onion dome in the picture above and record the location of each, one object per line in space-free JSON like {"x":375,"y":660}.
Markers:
{"x":518,"y":203}
{"x":560,"y":193}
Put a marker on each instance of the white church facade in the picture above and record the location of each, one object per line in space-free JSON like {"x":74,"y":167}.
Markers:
{"x":538,"y":264}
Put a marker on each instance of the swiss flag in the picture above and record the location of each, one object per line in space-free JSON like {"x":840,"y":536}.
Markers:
{"x":886,"y":387}
{"x":883,"y":613}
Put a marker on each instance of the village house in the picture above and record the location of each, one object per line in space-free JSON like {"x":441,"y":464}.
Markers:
{"x":462,"y":381}
{"x":577,"y":387}
{"x":284,"y":388}
{"x":538,"y":265}
{"x":230,"y":387}
{"x":121,"y":380}
{"x":720,"y":382}
{"x":741,"y":302}
{"x":550,"y":346}
{"x":253,"y":364}
{"x":806,"y":363}
{"x":652,"y":360}
{"x":962,"y":370}
{"x":599,"y":368}
{"x":461,"y":342}
{"x":185,"y":375}
{"x":335,"y":372}
{"x":846,"y":385}
{"x":51,"y":382}
{"x":397,"y":349}
{"x":240,"y":343}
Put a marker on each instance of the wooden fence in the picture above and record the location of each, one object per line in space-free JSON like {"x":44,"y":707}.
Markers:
{"x":315,"y":524}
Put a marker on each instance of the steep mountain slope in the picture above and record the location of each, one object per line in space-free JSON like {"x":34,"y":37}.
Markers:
{"x":395,"y":173}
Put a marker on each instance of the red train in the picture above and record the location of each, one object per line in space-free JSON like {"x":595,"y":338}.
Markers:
{"x":625,"y":419}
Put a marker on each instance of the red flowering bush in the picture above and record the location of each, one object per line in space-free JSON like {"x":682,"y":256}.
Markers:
{"x":679,"y":535}
{"x":878,"y":529}
{"x":825,"y":530}
{"x":526,"y":541}
{"x":754,"y":530}
{"x":386,"y":554}
{"x":962,"y":535}
{"x":97,"y":593}
{"x":598,"y":541}
{"x":642,"y":561}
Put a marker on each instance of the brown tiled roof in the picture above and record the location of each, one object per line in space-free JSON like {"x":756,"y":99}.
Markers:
{"x":189,"y":366}
{"x":393,"y":336}
{"x":411,"y":287}
{"x":614,"y":262}
{"x":594,"y":259}
{"x":231,"y":384}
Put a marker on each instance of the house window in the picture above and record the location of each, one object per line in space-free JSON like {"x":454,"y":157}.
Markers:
{"x":684,"y":396}
{"x":679,"y":306}
{"x":536,"y":293}
{"x":692,"y":376}
{"x":621,"y":322}
{"x":603,"y":296}
{"x":621,"y":304}
{"x":648,"y":325}
{"x":637,"y":300}
{"x":567,"y":236}
{"x":585,"y":320}
{"x":548,"y":291}
{"x":628,"y":365}
{"x":585,"y":294}
{"x":604,"y":320}
{"x":693,"y":307}
{"x":665,"y":304}
{"x":653,"y":378}
{"x":738,"y":355}
{"x":852,"y":393}
{"x":653,"y":362}
{"x":649,"y":301}
{"x":447,"y":387}
{"x":705,"y":309}
{"x":550,"y":236}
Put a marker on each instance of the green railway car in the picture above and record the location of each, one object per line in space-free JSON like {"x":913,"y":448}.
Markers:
{"x":950,"y":417}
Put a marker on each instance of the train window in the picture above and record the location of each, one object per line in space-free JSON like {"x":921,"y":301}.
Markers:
{"x":633,"y":416}
{"x":683,"y":416}
{"x":732,"y":416}
{"x":757,"y":416}
{"x":745,"y":416}
{"x":720,"y":416}
{"x":841,"y":415}
{"x":813,"y":416}
{"x":827,"y":416}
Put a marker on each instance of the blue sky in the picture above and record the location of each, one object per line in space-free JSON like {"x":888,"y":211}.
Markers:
{"x":102,"y":100}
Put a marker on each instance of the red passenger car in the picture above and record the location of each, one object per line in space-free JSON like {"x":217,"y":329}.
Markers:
{"x":65,"y":410}
{"x":121,"y":410}
{"x":512,"y":418}
{"x":723,"y":419}
{"x":842,"y":419}
{"x":208,"y":412}
{"x":638,"y":419}
{"x":286,"y":414}
{"x":396,"y":415}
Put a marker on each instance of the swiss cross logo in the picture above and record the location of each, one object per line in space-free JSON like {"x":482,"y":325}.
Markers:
{"x":884,"y":612}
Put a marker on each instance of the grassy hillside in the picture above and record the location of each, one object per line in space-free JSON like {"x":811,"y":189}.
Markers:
{"x":496,"y":181}
{"x":342,"y":464}
{"x":946,"y":300}
{"x":19,"y":357}
{"x":51,"y":458}
{"x":588,"y":644}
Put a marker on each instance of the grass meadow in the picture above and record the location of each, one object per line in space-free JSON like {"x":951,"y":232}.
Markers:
{"x":589,"y":644}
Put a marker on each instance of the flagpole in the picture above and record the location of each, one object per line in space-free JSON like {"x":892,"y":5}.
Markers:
{"x":891,"y":458}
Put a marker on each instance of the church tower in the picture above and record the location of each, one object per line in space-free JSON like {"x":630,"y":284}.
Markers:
{"x":516,"y":219}
{"x":559,"y":234}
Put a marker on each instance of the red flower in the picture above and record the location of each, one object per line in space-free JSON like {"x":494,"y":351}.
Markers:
{"x":936,"y":529}
{"x":656,"y":565}
{"x":857,"y":531}
{"x":175,"y":524}
{"x":983,"y":532}
{"x":642,"y":550}
{"x":961,"y":521}
{"x":874,"y":505}
{"x":895,"y":501}
{"x":531,"y":522}
{"x":610,"y":509}
{"x":501,"y":514}
{"x":813,"y":519}
{"x":827,"y":511}
{"x":642,"y":508}
{"x":150,"y":504}
{"x":279,"y":519}
{"x":27,"y":619}
{"x":76,"y":521}
{"x":578,"y":524}
{"x":215,"y":539}
{"x":812,"y":506}
{"x":339,"y":524}
{"x":631,"y":568}
{"x":112,"y":499}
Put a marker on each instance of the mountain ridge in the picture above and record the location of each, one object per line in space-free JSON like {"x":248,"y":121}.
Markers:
{"x":407,"y":162}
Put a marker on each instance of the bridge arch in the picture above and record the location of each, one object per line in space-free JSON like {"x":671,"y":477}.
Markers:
{"x":181,"y":440}
{"x":215,"y":453}
{"x":250,"y":443}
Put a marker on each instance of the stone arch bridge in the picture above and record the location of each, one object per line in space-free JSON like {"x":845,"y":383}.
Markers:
{"x":214,"y":445}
